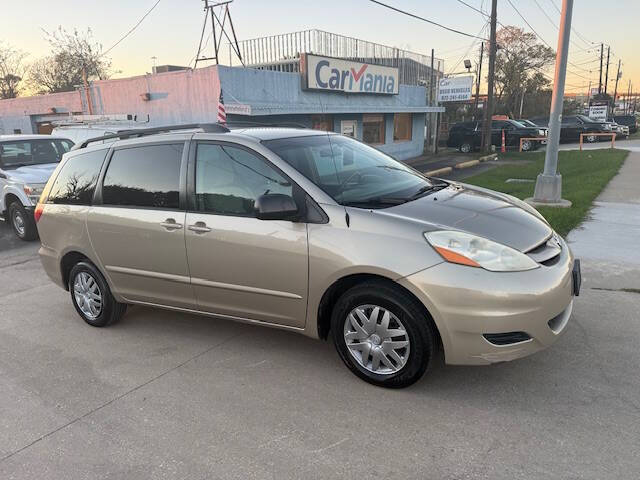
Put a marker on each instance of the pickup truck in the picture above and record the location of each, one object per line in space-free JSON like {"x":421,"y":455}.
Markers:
{"x":26,"y":163}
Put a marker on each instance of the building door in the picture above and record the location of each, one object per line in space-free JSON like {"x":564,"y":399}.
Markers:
{"x":349,"y":128}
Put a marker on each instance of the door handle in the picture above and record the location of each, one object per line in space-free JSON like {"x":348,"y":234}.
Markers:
{"x":199,"y":227}
{"x":170,"y":224}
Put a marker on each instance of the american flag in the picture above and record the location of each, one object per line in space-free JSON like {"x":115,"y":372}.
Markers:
{"x":222,"y":113}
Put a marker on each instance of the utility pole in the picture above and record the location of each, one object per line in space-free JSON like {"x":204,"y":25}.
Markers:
{"x":488,"y":111}
{"x":432,"y":117}
{"x":475,"y":106}
{"x":521,"y":103}
{"x":600,"y":82}
{"x":548,"y":189}
{"x":606,"y":76}
{"x":615,"y":90}
{"x":627,"y":103}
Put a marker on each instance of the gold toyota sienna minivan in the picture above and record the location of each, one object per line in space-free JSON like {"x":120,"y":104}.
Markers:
{"x":307,"y":231}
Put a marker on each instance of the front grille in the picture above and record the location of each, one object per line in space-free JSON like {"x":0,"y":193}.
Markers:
{"x":506,"y":338}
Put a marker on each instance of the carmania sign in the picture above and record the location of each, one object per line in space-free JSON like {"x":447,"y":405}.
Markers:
{"x":338,"y":75}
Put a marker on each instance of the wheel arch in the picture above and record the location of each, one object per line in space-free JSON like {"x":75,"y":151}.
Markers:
{"x":333,"y":292}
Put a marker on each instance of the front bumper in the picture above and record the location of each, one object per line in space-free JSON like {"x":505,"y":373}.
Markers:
{"x":467,"y":303}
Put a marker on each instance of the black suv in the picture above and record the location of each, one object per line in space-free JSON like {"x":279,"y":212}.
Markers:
{"x":467,"y":136}
{"x":629,"y":120}
{"x":573,"y":125}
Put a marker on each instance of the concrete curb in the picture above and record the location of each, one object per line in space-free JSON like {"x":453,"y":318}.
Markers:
{"x":470,"y":163}
{"x":438,"y":172}
{"x":486,"y":158}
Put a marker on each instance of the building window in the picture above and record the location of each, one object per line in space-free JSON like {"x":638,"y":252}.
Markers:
{"x":322,"y":122}
{"x":402,"y":123}
{"x":373,"y":129}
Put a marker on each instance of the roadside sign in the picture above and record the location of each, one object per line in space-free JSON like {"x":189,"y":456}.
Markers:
{"x":598,"y":112}
{"x":455,"y":89}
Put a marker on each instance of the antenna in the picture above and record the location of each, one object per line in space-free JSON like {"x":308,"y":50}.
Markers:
{"x":220,"y":19}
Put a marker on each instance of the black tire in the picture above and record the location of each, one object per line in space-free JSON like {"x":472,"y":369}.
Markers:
{"x":527,"y":145}
{"x":22,"y":222}
{"x":591,"y":138}
{"x":110,"y":311}
{"x":417,"y":324}
{"x":466,"y":147}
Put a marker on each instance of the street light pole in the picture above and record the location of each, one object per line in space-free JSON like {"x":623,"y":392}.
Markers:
{"x":548,"y":189}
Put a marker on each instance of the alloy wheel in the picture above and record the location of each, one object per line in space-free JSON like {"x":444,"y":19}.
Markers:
{"x":87,"y":294}
{"x":376,"y":339}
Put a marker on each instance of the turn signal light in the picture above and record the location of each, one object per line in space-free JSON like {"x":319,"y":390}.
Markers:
{"x":454,"y":257}
{"x":37,"y":213}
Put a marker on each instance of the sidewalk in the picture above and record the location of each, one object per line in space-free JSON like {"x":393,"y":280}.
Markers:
{"x":609,"y":241}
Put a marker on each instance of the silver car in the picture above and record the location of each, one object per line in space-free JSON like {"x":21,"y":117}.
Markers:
{"x":311,"y":232}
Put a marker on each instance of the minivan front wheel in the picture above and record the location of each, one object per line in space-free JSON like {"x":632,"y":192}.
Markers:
{"x":92,"y":297}
{"x":382,"y":334}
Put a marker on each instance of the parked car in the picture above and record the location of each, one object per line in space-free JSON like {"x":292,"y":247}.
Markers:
{"x":311,"y":232}
{"x":467,"y":136}
{"x":574,"y":125}
{"x":630,"y":121}
{"x":79,"y":132}
{"x":26,"y":162}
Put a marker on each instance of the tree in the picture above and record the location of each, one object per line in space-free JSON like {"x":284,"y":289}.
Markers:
{"x":12,"y":69}
{"x":73,"y":55}
{"x":520,"y":61}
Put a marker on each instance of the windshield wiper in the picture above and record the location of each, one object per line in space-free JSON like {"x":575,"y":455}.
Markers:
{"x":377,"y":202}
{"x":434,"y":187}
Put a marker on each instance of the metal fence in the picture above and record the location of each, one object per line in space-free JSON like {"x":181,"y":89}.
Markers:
{"x":282,"y":53}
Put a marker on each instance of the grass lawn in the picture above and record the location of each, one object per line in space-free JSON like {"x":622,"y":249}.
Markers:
{"x":584,"y":176}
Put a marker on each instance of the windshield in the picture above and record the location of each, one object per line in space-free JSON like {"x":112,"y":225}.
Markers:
{"x":351,"y":172}
{"x":20,"y":153}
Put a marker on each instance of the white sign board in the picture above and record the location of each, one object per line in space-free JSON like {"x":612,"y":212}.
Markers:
{"x":348,"y":128}
{"x":238,"y":108}
{"x":455,"y":89}
{"x":336,"y":75}
{"x":598,"y":112}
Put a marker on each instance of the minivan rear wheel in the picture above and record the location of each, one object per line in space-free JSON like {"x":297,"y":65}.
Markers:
{"x":91,"y":296}
{"x":382,"y":334}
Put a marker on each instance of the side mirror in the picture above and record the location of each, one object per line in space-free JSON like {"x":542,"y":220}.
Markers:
{"x":276,"y":206}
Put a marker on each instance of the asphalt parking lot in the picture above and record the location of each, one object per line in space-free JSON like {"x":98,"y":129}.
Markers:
{"x":168,"y":395}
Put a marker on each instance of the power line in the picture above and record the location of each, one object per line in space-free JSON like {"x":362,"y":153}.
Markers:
{"x":541,"y":38}
{"x":425,"y":20}
{"x":581,"y":37}
{"x":473,"y":44}
{"x":133,"y":28}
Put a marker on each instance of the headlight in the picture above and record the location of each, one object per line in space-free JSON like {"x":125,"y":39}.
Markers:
{"x":542,"y":132}
{"x":33,"y":189}
{"x":466,"y":249}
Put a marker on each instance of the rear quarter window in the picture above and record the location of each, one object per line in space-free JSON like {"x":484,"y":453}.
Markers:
{"x":77,"y":179}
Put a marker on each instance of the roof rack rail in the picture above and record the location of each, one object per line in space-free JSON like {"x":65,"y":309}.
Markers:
{"x":143,"y":132}
{"x":249,"y":123}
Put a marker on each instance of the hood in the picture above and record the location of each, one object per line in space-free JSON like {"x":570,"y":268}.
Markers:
{"x":31,"y":173}
{"x":482,"y":212}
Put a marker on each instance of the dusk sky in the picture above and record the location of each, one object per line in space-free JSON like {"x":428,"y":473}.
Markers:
{"x":171,"y":32}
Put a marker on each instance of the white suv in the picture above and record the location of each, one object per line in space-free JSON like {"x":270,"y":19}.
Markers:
{"x":26,"y":163}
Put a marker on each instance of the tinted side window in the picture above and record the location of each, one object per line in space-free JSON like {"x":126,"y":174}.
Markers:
{"x":229,"y":180}
{"x":146,"y":176}
{"x":76,"y":182}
